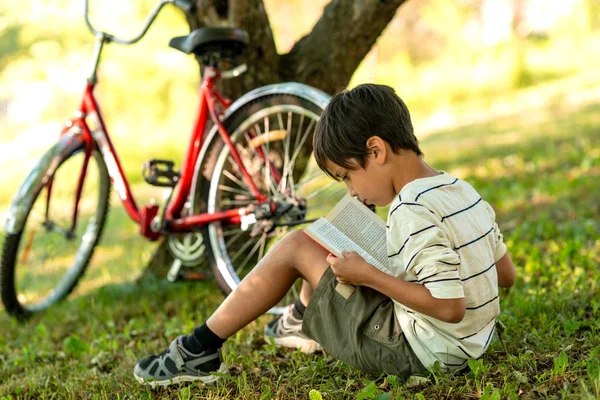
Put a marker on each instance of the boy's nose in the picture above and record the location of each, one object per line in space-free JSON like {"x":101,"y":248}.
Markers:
{"x":351,"y":190}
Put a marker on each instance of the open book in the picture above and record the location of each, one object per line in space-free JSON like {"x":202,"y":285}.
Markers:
{"x":352,"y":226}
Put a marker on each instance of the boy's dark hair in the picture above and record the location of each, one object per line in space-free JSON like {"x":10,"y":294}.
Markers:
{"x":352,"y":117}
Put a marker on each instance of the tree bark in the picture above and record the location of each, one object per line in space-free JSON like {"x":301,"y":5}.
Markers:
{"x":326,"y":58}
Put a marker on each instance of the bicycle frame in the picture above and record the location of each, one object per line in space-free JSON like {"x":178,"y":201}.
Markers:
{"x":89,"y":111}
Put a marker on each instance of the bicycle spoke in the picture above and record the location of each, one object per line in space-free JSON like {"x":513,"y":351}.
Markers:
{"x":261,"y":251}
{"x":230,"y":232}
{"x":274,"y":189}
{"x":257,"y":154}
{"x":281,"y":127}
{"x":266,"y":165}
{"x":267,"y":155}
{"x":297,"y":149}
{"x":235,"y":237}
{"x":322,"y":190}
{"x":307,"y":180}
{"x":280,"y":120}
{"x":299,"y":130}
{"x":286,"y":153}
{"x":241,"y":250}
{"x":248,"y":155}
{"x":236,"y":180}
{"x":259,"y":132}
{"x":249,"y":142}
{"x":233,"y":190}
{"x":236,"y":202}
{"x":235,"y":175}
{"x":243,"y":151}
{"x":37,"y":233}
{"x":248,"y":257}
{"x":290,"y":167}
{"x":27,"y":250}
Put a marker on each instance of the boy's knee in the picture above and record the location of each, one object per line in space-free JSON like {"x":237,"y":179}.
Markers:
{"x":291,"y":243}
{"x":295,"y":239}
{"x":299,"y":241}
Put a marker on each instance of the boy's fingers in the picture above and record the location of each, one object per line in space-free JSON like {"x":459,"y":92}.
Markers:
{"x":331,"y":259}
{"x":334,"y":268}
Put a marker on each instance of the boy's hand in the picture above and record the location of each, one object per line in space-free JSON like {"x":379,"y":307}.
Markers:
{"x":350,"y":268}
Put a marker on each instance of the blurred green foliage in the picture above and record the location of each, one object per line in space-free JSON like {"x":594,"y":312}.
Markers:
{"x":435,"y":53}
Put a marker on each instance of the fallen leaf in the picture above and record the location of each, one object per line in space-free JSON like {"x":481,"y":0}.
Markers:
{"x":520,"y":377}
{"x":415,"y":381}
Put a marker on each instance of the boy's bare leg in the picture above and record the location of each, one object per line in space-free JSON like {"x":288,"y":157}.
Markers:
{"x":196,"y":356}
{"x":305,"y":293}
{"x":295,"y":256}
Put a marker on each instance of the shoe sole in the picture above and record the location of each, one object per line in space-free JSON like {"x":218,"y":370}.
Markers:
{"x":182,"y":378}
{"x":307,"y":346}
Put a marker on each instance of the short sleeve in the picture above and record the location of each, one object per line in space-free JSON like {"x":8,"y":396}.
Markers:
{"x":499,"y":246}
{"x":418,"y":245}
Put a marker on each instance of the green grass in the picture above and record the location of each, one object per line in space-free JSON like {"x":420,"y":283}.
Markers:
{"x":541,"y":173}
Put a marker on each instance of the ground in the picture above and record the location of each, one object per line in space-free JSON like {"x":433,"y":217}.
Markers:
{"x":540,"y":170}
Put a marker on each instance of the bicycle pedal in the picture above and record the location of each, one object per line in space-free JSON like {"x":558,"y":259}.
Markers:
{"x":160,"y":173}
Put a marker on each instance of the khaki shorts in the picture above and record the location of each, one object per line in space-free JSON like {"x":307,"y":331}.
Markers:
{"x":362,"y":330}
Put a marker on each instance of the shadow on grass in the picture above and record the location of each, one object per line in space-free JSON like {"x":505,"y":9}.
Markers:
{"x":542,"y":178}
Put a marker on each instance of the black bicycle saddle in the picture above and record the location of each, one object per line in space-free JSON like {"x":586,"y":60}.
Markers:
{"x":227,"y":42}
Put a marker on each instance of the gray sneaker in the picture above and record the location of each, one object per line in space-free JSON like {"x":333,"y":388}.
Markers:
{"x":286,"y":331}
{"x":176,"y":364}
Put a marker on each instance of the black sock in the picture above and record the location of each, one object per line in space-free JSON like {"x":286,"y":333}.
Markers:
{"x":202,"y":339}
{"x":299,"y":308}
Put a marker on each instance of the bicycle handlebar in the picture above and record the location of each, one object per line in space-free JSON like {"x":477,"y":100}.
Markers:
{"x":185,"y":5}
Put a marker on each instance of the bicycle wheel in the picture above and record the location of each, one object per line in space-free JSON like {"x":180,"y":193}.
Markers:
{"x":43,"y":259}
{"x":280,"y":126}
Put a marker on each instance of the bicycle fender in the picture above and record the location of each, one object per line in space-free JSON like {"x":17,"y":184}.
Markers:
{"x":301,"y":90}
{"x":37,"y":178}
{"x":306,"y":92}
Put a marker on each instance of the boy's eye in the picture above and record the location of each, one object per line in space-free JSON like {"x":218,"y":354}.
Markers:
{"x":345,"y":177}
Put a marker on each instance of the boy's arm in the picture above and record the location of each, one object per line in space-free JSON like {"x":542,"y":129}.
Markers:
{"x":352,"y":268}
{"x":417,"y":297}
{"x":420,"y":246}
{"x":504,"y":266}
{"x":506,"y":271}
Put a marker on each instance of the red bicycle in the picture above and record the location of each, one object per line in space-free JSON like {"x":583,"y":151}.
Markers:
{"x":247,"y":177}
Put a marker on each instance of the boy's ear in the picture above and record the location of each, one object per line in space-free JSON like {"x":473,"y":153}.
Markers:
{"x":377,"y":149}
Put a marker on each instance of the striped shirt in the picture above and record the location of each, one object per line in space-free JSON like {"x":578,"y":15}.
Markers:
{"x":443,"y":235}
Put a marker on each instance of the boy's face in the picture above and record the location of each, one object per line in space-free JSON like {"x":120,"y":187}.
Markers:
{"x":368,"y":183}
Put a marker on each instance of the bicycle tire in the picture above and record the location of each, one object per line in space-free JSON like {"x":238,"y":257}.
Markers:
{"x":226,"y":274}
{"x":12,"y":299}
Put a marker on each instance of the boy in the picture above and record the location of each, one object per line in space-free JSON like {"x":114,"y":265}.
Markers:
{"x":443,"y":245}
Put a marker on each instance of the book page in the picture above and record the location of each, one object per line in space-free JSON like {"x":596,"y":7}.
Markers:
{"x":336,"y":241}
{"x":362,"y":226}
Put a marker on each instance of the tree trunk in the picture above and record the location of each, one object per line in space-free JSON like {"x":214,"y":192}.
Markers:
{"x":326,"y":58}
